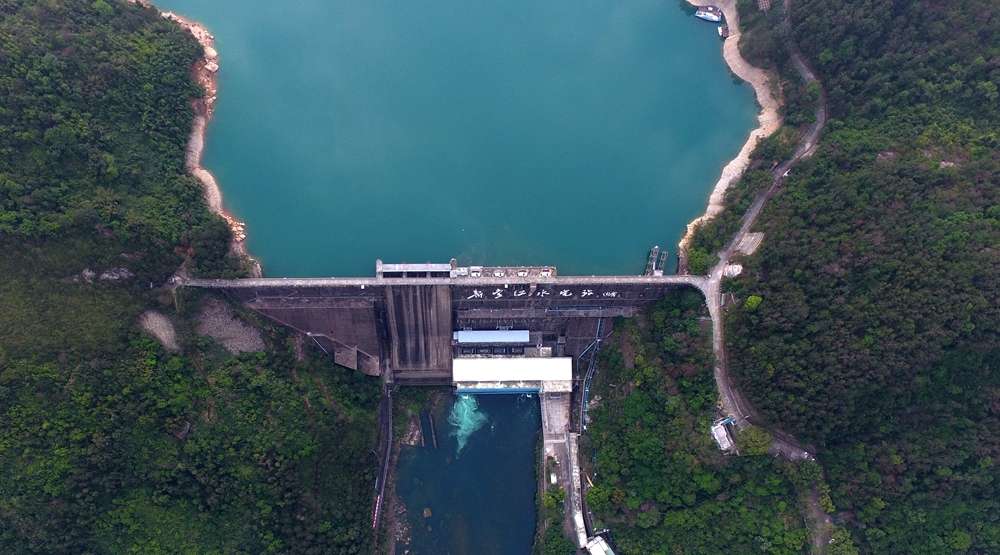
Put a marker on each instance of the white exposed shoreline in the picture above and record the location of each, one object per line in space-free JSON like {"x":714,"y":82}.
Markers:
{"x":769,"y":119}
{"x":204,"y":71}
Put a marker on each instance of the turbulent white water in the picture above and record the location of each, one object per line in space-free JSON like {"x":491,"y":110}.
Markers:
{"x":465,"y":418}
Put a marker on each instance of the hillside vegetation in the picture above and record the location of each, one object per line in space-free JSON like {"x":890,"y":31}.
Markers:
{"x":109,"y":443}
{"x":661,"y":484}
{"x":877,"y":338}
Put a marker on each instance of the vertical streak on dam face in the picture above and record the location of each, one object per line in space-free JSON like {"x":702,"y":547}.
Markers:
{"x":420,"y":324}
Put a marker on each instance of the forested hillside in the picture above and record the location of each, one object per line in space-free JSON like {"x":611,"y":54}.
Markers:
{"x":109,"y":442}
{"x":661,"y":485}
{"x":877,"y":335}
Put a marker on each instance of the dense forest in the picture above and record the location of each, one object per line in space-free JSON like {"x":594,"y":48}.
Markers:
{"x":876,"y":338}
{"x":661,"y":484}
{"x":110,"y":442}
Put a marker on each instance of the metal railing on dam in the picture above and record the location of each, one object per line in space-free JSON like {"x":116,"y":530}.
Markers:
{"x":698,"y":282}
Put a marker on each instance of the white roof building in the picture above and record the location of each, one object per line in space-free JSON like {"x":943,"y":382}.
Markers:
{"x":597,"y":546}
{"x":483,"y":375}
{"x":721,"y":436}
{"x":491,"y":336}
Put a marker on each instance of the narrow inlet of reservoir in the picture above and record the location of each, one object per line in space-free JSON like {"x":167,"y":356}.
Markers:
{"x":527,"y":132}
{"x":474,"y":494}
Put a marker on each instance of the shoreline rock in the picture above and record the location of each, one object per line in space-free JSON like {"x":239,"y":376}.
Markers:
{"x":768,"y":118}
{"x":204,"y":71}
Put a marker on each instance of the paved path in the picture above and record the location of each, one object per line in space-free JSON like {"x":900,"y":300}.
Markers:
{"x":385,"y":452}
{"x":251,"y":283}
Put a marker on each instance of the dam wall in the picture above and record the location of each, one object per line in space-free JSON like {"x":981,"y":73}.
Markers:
{"x":400,"y":324}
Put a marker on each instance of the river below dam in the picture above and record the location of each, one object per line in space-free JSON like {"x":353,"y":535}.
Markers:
{"x":475,"y":493}
{"x":575,"y":134}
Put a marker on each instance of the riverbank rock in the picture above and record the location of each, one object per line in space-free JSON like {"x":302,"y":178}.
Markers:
{"x":161,"y":328}
{"x":117,"y":274}
{"x":85,"y":276}
{"x":218,"y":321}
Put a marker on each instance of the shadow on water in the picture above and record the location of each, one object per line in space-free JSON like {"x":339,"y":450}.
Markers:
{"x":482,"y":502}
{"x":687,"y":8}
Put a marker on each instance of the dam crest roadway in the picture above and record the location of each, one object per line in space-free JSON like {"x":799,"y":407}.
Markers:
{"x":399,"y":324}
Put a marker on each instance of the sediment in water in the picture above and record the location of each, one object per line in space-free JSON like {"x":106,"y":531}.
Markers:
{"x":434,"y":437}
{"x":769,"y":119}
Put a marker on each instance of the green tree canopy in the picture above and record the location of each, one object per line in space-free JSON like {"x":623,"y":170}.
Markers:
{"x":755,"y":440}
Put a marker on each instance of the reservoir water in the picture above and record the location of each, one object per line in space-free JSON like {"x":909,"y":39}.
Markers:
{"x":475,"y":494}
{"x":574,"y":133}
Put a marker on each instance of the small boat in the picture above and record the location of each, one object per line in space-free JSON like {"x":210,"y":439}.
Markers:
{"x":724,"y":31}
{"x":709,"y":13}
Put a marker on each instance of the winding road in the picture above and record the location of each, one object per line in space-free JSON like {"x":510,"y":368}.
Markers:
{"x":732,"y":400}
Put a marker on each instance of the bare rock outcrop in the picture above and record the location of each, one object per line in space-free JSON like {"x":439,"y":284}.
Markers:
{"x":218,"y":321}
{"x":160,"y":327}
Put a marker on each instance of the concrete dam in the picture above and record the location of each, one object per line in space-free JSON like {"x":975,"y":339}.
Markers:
{"x":402,"y":323}
{"x":479,"y":329}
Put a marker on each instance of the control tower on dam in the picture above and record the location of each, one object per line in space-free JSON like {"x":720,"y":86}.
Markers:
{"x":406,"y":323}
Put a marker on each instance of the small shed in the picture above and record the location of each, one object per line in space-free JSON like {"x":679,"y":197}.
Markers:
{"x":721,"y":435}
{"x":598,"y":546}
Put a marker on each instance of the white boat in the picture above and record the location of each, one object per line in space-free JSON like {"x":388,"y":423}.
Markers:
{"x":709,"y":13}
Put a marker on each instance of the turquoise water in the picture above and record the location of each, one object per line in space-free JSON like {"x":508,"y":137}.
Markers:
{"x":575,"y":133}
{"x":479,"y":485}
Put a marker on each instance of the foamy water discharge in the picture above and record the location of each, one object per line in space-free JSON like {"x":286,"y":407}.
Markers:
{"x":465,"y":419}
